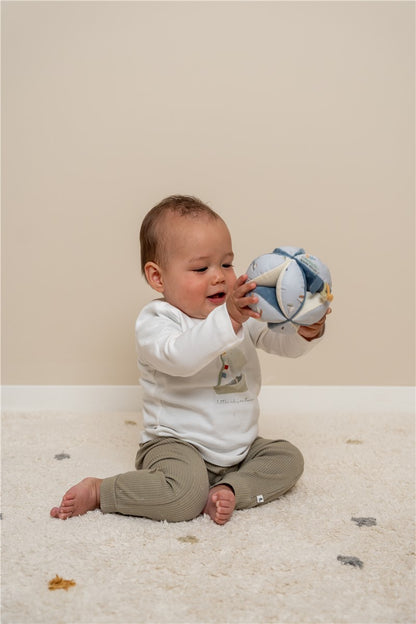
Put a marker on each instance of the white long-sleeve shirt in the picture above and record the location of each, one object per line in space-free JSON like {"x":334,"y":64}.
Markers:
{"x":201,"y":380}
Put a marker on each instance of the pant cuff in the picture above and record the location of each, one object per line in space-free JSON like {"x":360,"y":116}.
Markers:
{"x":107,"y":495}
{"x":243,"y":499}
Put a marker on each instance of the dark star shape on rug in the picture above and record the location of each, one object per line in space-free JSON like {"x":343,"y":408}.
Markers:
{"x":365,"y":521}
{"x":353,"y":561}
{"x":61,"y":456}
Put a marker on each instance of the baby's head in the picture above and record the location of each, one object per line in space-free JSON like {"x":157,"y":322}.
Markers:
{"x":186,"y":255}
{"x":157,"y":225}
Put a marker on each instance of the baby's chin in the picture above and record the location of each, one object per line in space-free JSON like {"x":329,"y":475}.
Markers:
{"x":212,"y":304}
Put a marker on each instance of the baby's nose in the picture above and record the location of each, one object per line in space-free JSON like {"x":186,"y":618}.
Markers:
{"x":219,"y":275}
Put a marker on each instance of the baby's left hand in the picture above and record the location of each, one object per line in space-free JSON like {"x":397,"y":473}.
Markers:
{"x":311,"y":332}
{"x":238,"y":301}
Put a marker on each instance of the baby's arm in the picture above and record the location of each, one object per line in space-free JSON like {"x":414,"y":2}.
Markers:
{"x":239,"y":300}
{"x":173,"y":343}
{"x":285,"y":341}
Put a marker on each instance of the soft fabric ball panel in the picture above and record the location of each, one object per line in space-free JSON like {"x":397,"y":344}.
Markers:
{"x":268,"y":305}
{"x":266,"y":269}
{"x":290,"y":290}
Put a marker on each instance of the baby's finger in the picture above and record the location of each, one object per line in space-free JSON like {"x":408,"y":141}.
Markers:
{"x":244,"y":289}
{"x":321,"y":321}
{"x":247,"y":300}
{"x":241,"y":280}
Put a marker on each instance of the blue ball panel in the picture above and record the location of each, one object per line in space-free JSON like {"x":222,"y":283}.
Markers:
{"x":268,"y":305}
{"x":316,"y":272}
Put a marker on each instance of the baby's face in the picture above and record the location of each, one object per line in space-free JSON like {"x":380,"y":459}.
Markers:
{"x":198,"y":272}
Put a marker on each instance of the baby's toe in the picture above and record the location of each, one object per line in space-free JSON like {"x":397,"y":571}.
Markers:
{"x":54,"y":512}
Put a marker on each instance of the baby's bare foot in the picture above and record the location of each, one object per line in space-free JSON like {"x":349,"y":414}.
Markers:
{"x":220,"y":504}
{"x":83,"y":497}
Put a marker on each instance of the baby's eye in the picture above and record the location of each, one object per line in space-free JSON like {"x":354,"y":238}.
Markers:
{"x":201,"y":270}
{"x":227,"y":266}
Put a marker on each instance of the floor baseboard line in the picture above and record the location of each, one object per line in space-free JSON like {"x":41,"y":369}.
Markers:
{"x":292,"y":399}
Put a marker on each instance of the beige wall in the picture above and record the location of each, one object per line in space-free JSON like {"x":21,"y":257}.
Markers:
{"x":294,"y":120}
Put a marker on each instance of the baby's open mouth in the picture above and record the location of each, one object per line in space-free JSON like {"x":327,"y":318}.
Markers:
{"x":219,"y":295}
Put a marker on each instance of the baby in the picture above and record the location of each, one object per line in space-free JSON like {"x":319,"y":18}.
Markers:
{"x":200,"y":377}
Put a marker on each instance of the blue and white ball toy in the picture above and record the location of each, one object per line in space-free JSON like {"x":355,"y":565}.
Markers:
{"x":293,"y":287}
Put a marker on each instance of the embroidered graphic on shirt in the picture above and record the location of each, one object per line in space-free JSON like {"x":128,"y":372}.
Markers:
{"x":231,"y":378}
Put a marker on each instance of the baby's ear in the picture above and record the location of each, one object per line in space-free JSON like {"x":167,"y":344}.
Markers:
{"x":153,"y":274}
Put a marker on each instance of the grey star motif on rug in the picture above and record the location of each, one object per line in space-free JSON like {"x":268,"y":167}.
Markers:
{"x":365,"y":521}
{"x":61,"y":456}
{"x":354,"y":561}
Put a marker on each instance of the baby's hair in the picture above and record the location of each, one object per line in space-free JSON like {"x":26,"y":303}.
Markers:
{"x":151,"y":233}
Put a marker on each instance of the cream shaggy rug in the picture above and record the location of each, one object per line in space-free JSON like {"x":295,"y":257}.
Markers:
{"x":338,"y":548}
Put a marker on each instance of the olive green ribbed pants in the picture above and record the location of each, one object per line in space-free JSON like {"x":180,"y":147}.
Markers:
{"x":172,"y":480}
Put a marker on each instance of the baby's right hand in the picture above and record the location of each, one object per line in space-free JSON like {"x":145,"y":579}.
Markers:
{"x":238,"y":301}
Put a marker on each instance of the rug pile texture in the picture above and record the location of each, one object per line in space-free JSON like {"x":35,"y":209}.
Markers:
{"x":338,"y":548}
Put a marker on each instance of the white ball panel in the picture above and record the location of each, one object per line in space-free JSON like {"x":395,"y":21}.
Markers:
{"x":290,"y":289}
